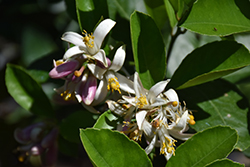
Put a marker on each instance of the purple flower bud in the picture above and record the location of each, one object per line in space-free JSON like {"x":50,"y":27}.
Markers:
{"x":50,"y":139}
{"x":88,"y":90}
{"x":64,"y":69}
{"x":23,"y":136}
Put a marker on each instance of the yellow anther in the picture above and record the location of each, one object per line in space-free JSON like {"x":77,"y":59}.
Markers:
{"x":163,"y":149}
{"x":156,"y":123}
{"x":170,"y":149}
{"x":191,"y":120}
{"x":77,"y":73}
{"x":175,"y":103}
{"x":113,"y":84}
{"x":141,"y":101}
{"x":88,"y":39}
{"x":21,"y":158}
{"x":125,"y":106}
{"x":59,"y":62}
{"x":66,"y":95}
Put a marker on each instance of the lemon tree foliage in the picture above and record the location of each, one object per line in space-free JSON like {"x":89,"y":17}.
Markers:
{"x":108,"y":88}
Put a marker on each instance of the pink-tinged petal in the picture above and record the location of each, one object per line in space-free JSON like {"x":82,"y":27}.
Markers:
{"x":156,"y":90}
{"x":97,"y":71}
{"x":75,"y":50}
{"x":102,"y":30}
{"x":101,"y":92}
{"x":125,"y":84}
{"x":101,"y":57}
{"x":119,"y":59}
{"x":90,"y":108}
{"x":73,"y":38}
{"x":64,"y":69}
{"x":50,"y":138}
{"x":140,"y":117}
{"x":89,"y":90}
{"x":139,"y":89}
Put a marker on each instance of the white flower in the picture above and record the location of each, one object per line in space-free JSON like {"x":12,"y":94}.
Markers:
{"x":89,"y":44}
{"x":146,"y":99}
{"x":109,"y":78}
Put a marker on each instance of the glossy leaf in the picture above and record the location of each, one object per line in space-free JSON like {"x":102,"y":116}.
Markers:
{"x":27,"y":92}
{"x":219,"y":103}
{"x":89,"y":12}
{"x":108,"y":148}
{"x":39,"y":75}
{"x":148,"y":49}
{"x":210,"y":62}
{"x":224,"y":162}
{"x":106,"y":121}
{"x":205,"y":147}
{"x":220,"y":18}
{"x":171,"y":13}
{"x":69,"y":127}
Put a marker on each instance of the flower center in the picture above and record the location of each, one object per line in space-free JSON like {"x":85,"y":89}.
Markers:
{"x":141,"y":101}
{"x":66,"y":95}
{"x":88,"y":39}
{"x":113,"y":84}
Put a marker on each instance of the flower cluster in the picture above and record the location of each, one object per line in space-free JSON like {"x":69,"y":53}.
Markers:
{"x":89,"y":75}
{"x":85,"y":63}
{"x":39,"y":144}
{"x":156,"y":114}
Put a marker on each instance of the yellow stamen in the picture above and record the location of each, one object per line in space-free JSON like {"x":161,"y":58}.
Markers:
{"x":66,"y":95}
{"x":21,"y":158}
{"x":175,"y":103}
{"x":59,"y":62}
{"x":88,"y":39}
{"x":191,"y":121}
{"x":77,"y":73}
{"x":141,"y":101}
{"x":113,"y":84}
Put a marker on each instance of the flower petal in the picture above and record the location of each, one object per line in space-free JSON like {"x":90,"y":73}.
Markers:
{"x":130,"y":100}
{"x":139,"y":89}
{"x":119,"y":59}
{"x":101,"y":92}
{"x":64,"y":69}
{"x":89,"y":90}
{"x":75,"y":50}
{"x":151,"y":145}
{"x":102,"y":30}
{"x":90,"y":108}
{"x":101,"y":57}
{"x":73,"y":38}
{"x":125,"y":84}
{"x":140,"y":117}
{"x":179,"y":135}
{"x":116,"y":108}
{"x":156,"y":90}
{"x":172,"y":96}
{"x":97,"y":71}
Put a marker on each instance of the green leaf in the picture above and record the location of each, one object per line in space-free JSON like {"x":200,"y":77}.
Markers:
{"x":210,"y":62}
{"x":204,"y":147}
{"x":148,"y":49}
{"x":108,"y":148}
{"x":171,"y":13}
{"x":39,"y":75}
{"x":106,"y":121}
{"x":219,"y":103}
{"x":89,"y":13}
{"x":156,"y":9}
{"x":213,"y":17}
{"x":27,"y":92}
{"x":69,"y":127}
{"x":224,"y":162}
